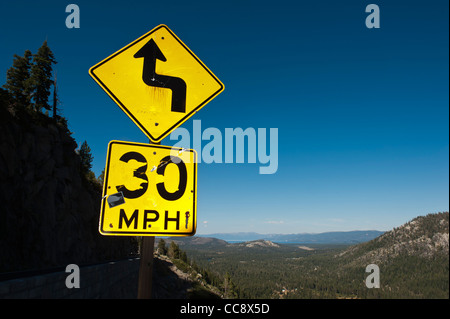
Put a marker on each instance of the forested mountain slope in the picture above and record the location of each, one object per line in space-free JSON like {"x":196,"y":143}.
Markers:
{"x":49,"y":197}
{"x":413,"y":260}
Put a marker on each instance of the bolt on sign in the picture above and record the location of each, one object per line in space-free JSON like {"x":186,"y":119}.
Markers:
{"x":149,"y":190}
{"x":157,"y":81}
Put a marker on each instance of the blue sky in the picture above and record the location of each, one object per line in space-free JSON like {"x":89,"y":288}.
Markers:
{"x":362,"y":114}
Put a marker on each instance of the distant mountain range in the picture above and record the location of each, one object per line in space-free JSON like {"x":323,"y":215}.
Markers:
{"x":344,"y":237}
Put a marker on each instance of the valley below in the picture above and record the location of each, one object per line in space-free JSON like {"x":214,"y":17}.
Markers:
{"x":413,"y":260}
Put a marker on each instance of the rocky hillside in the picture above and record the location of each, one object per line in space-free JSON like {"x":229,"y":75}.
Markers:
{"x":49,"y":211}
{"x":413,"y":260}
{"x":258,"y":243}
{"x":424,"y":237}
{"x":174,"y":279}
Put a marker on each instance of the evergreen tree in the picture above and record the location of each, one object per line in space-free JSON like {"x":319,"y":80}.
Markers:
{"x":55,"y":98}
{"x":174,"y":251}
{"x":101,"y":179}
{"x":86,"y":157}
{"x":229,"y":287}
{"x":5,"y":98}
{"x":162,"y":247}
{"x":41,"y":76}
{"x":183,"y":256}
{"x":18,"y":80}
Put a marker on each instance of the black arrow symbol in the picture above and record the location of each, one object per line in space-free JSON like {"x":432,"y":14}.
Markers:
{"x":151,"y":52}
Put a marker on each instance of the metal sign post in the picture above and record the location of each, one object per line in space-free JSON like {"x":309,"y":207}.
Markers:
{"x":146,"y":268}
{"x":145,"y":280}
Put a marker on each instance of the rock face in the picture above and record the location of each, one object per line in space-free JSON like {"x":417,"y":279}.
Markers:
{"x":424,"y":236}
{"x":48,"y":211}
{"x":258,"y":243}
{"x":170,"y":282}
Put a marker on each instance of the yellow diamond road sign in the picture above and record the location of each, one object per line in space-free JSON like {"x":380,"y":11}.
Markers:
{"x":149,"y":190}
{"x":157,"y":81}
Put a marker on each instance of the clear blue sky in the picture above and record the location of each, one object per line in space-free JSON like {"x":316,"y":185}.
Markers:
{"x":362,"y":114}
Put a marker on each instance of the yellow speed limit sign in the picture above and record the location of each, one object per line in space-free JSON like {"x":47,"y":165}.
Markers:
{"x":149,"y":190}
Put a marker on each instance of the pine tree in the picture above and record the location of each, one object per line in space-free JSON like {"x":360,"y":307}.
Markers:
{"x":101,"y":177}
{"x":174,"y":251}
{"x":5,"y":98}
{"x":86,"y":157}
{"x":18,"y":80}
{"x":55,"y":98}
{"x":162,"y":247}
{"x":41,"y":76}
{"x":183,"y":256}
{"x":229,"y":287}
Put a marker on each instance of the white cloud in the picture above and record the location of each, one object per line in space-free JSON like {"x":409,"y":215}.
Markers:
{"x":277,"y":222}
